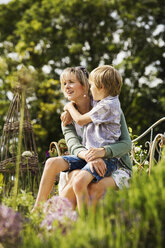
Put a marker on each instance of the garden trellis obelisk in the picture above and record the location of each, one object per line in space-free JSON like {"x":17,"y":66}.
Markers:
{"x":9,"y":143}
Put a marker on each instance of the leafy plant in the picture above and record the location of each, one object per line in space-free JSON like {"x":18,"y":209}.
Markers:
{"x":23,"y":202}
{"x":10,"y":227}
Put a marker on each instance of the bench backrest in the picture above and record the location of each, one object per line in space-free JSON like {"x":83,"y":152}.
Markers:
{"x":153,"y":147}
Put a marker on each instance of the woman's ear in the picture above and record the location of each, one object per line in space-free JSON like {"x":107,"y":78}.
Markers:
{"x":85,"y":91}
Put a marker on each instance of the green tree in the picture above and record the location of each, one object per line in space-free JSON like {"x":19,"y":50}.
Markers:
{"x":49,"y":35}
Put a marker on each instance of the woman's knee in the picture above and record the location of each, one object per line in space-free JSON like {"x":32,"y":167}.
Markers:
{"x":78,"y":185}
{"x":49,"y":163}
{"x":96,"y":190}
{"x":72,"y":175}
{"x":53,"y":163}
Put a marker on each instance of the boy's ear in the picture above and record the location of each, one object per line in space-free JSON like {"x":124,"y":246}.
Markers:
{"x":101,"y":86}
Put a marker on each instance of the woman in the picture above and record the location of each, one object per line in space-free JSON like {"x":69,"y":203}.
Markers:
{"x":74,"y":83}
{"x":117,"y":180}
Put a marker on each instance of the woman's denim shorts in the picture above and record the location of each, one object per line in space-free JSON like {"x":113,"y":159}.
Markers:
{"x":80,"y":164}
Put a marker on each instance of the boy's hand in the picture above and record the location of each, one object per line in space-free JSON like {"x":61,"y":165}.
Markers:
{"x":68,"y":105}
{"x":66,"y":118}
{"x":99,"y":166}
{"x":94,"y":153}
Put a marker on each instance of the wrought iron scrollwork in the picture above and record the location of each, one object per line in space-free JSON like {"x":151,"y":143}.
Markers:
{"x":153,"y":147}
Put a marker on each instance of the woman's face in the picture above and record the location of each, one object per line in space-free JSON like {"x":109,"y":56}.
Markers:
{"x":72,"y":88}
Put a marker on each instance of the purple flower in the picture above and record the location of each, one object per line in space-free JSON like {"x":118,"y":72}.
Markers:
{"x":10,"y":226}
{"x":58,"y":209}
{"x":47,"y":154}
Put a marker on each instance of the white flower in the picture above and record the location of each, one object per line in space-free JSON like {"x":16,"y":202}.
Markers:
{"x":146,"y":163}
{"x":27,"y":154}
{"x":137,"y":149}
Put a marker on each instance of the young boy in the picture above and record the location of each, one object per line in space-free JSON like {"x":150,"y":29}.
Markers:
{"x":101,"y":126}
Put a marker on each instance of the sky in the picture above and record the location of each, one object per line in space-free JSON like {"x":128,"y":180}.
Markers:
{"x":4,"y":1}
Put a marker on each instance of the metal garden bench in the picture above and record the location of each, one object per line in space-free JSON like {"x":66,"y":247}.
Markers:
{"x":153,"y":147}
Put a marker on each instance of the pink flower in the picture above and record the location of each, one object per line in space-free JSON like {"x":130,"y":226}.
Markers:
{"x":58,"y":209}
{"x":10,"y":226}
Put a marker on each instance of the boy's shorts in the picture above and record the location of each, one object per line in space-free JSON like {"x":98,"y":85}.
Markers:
{"x":78,"y":163}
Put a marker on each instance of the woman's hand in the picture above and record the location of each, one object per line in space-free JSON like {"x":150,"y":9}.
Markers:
{"x":66,"y":118}
{"x":94,"y":153}
{"x":82,"y":154}
{"x":99,"y":166}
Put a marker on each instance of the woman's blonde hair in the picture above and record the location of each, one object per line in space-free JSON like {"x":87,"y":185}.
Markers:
{"x":109,"y":77}
{"x":81,"y":74}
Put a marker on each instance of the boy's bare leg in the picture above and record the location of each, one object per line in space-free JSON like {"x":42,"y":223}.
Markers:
{"x":68,"y":189}
{"x":52,"y":167}
{"x":80,"y":185}
{"x":97,"y":190}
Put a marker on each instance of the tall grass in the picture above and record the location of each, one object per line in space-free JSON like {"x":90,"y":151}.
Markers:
{"x":15,"y":190}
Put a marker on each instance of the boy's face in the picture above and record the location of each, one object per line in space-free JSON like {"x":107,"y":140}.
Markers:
{"x":95,"y":91}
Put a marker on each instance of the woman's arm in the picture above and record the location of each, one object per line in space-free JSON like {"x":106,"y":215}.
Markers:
{"x":72,"y":140}
{"x":121,"y":147}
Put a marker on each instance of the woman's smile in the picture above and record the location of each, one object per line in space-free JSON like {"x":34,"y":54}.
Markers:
{"x":73,"y":89}
{"x":69,"y":92}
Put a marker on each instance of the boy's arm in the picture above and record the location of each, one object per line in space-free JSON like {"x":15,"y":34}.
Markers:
{"x":66,"y":118}
{"x":76,"y":116}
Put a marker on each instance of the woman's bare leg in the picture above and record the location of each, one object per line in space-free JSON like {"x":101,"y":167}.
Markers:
{"x":68,"y":189}
{"x":52,"y":167}
{"x":97,"y":190}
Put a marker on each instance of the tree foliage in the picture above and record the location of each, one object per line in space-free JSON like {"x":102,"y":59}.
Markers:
{"x":49,"y":35}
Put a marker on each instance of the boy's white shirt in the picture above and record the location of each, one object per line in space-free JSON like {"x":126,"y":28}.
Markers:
{"x":105,"y":126}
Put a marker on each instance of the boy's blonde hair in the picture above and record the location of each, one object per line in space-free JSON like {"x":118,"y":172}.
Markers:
{"x":81,"y":74}
{"x":109,"y":77}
